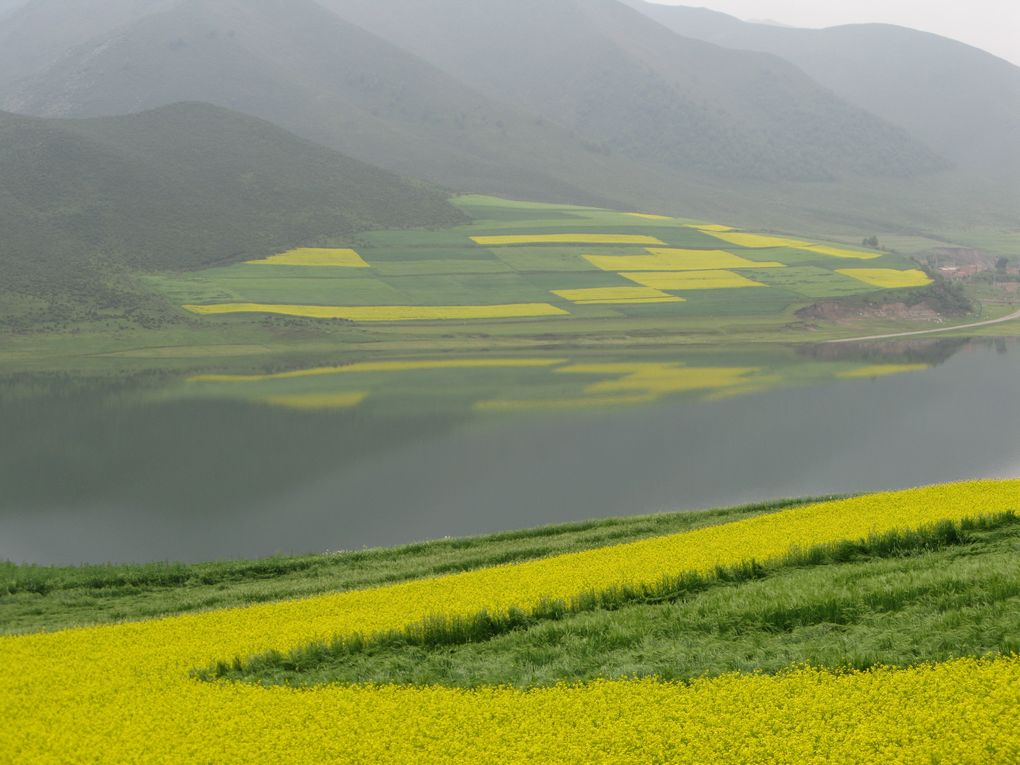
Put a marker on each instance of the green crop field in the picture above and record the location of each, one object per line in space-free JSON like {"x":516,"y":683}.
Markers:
{"x":535,"y":258}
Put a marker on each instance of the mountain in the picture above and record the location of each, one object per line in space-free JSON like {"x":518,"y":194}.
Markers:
{"x":39,"y":33}
{"x":298,"y":65}
{"x":961,"y":101}
{"x":628,"y":86}
{"x":180,"y":187}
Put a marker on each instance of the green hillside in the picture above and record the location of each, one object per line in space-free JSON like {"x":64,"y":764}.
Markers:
{"x":962,"y":102}
{"x":174,"y":189}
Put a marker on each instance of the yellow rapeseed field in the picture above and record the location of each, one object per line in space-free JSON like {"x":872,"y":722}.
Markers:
{"x":760,"y":241}
{"x":691,"y":280}
{"x":887,"y":278}
{"x":123,"y":693}
{"x":314,"y":256}
{"x":494,"y":241}
{"x":369,"y":367}
{"x":653,"y":380}
{"x":882,"y":370}
{"x":617,"y":296}
{"x":387,"y":312}
{"x":668,"y":259}
{"x":648,"y":216}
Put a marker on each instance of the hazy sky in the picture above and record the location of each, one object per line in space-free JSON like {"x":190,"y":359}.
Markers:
{"x":990,"y":24}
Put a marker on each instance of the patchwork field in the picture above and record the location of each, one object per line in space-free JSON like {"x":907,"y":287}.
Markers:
{"x":220,"y":684}
{"x":518,"y":260}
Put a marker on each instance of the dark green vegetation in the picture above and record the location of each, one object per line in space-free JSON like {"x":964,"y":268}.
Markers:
{"x":34,"y":598}
{"x":86,"y":204}
{"x":897,"y":599}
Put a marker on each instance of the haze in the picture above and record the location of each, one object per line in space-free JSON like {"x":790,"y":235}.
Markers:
{"x":988,"y":24}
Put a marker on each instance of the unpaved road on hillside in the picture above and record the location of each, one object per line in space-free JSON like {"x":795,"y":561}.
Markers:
{"x":1000,"y":320}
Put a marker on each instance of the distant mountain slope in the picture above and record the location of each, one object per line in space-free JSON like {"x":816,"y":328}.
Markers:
{"x":181,"y":187}
{"x":36,"y":34}
{"x":626,"y":84}
{"x":299,"y":66}
{"x":963,"y":102}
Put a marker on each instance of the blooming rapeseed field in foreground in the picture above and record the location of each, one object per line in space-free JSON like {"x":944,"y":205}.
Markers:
{"x":124,"y":693}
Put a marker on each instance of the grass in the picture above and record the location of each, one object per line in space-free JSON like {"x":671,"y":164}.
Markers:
{"x":898,"y":599}
{"x":505,"y":257}
{"x":34,"y":598}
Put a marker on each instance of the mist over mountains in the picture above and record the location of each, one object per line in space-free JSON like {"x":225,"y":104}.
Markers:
{"x":593,"y":101}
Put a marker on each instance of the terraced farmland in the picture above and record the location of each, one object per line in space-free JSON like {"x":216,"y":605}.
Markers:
{"x":520,"y":260}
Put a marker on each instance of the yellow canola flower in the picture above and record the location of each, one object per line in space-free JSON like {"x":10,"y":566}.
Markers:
{"x":314,"y":256}
{"x":617,"y":296}
{"x":123,"y":693}
{"x":387,"y":312}
{"x":648,"y":216}
{"x":760,"y":241}
{"x":691,"y":280}
{"x":668,"y":259}
{"x":887,"y":278}
{"x":655,"y":380}
{"x":492,"y":241}
{"x":710,"y":227}
{"x":369,"y":367}
{"x":882,"y":370}
{"x":317,"y":401}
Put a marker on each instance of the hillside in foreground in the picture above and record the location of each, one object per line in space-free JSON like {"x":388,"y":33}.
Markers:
{"x":902,"y":604}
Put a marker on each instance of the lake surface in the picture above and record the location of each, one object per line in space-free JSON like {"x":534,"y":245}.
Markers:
{"x":170,"y":469}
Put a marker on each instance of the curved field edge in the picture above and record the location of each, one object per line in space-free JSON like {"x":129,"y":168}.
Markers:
{"x":37,"y":598}
{"x":950,"y":590}
{"x":123,"y":693}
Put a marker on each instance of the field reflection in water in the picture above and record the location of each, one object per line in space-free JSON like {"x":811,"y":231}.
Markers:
{"x":338,"y":455}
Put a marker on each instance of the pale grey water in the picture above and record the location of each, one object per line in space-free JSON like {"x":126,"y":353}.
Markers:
{"x":88,"y":478}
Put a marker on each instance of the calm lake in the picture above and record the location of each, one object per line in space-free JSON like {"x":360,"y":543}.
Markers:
{"x":213,"y":466}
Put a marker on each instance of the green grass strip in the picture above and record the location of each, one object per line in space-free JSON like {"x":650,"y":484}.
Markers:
{"x":617,"y":631}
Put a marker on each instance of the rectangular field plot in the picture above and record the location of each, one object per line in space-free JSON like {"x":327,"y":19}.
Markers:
{"x":543,"y":259}
{"x":314,"y":256}
{"x":440,"y":267}
{"x":387,"y":313}
{"x":665,"y":259}
{"x":617,"y":296}
{"x":692,"y":280}
{"x":809,"y":281}
{"x":451,"y":289}
{"x":887,"y":278}
{"x":762,"y":241}
{"x":364,"y":291}
{"x":515,"y":239}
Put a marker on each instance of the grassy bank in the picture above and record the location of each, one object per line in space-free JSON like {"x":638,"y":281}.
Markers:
{"x":895,"y":600}
{"x":34,"y":598}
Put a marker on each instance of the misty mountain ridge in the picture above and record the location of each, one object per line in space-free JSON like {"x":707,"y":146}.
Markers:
{"x":961,"y":101}
{"x":496,"y":85}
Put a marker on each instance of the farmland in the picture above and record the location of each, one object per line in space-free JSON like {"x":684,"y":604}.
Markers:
{"x":869,"y":564}
{"x":530,"y":261}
